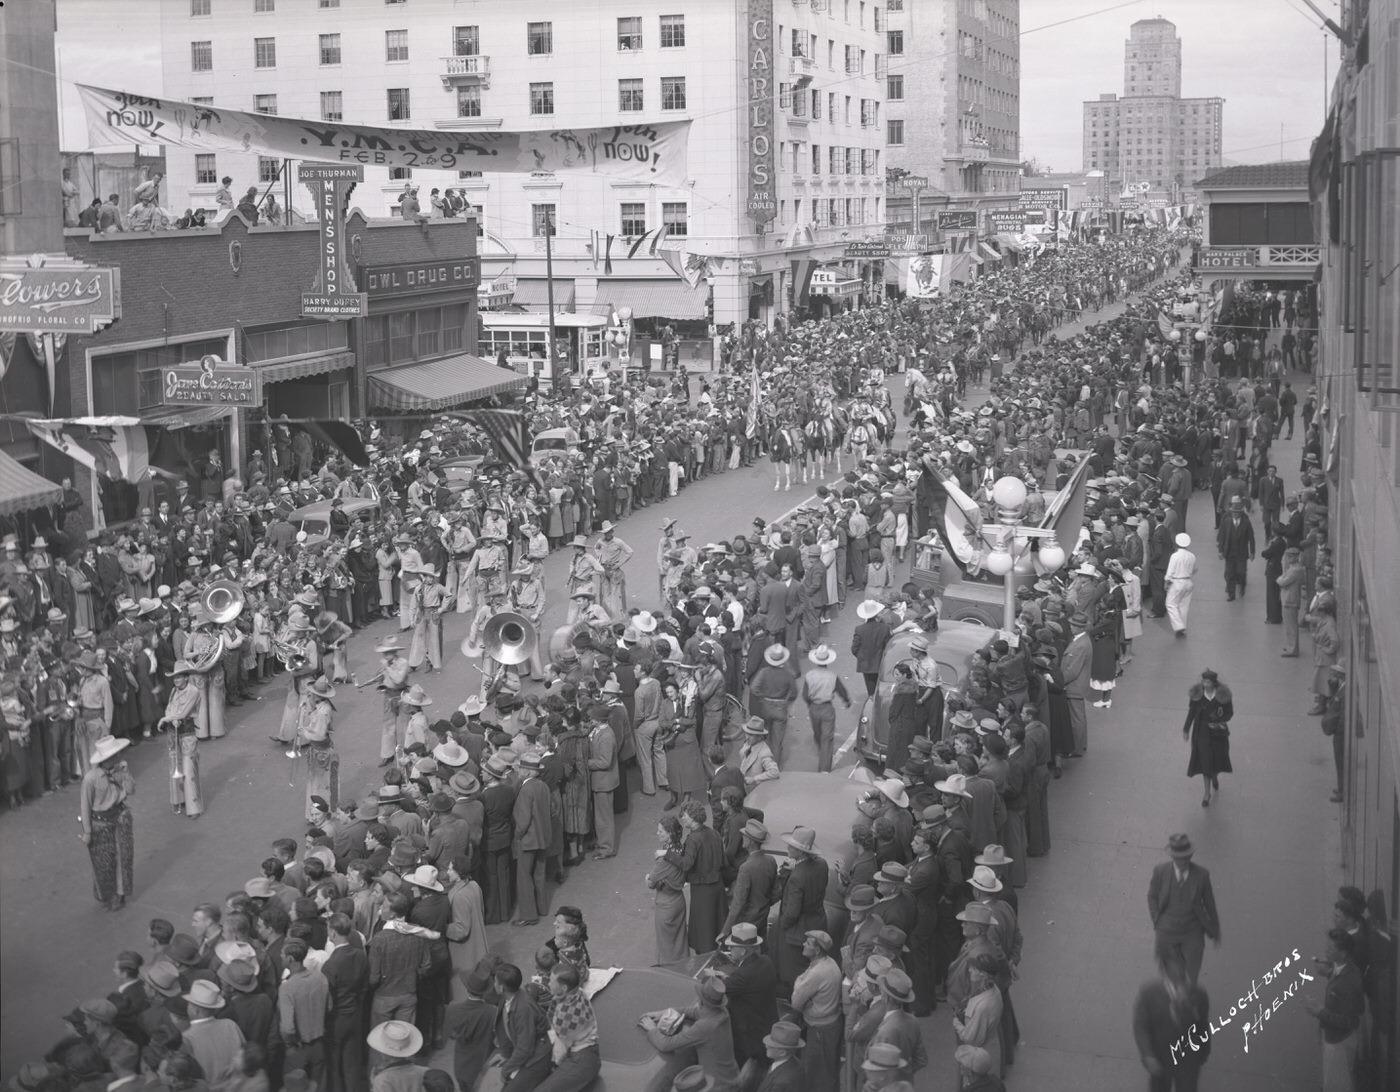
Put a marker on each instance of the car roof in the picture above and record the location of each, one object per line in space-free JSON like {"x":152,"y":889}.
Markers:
{"x":322,"y":508}
{"x":952,"y":644}
{"x":630,"y":993}
{"x":826,"y":802}
{"x":557,"y":433}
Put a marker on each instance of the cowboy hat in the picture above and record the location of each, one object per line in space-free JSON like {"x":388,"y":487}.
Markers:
{"x":322,"y":688}
{"x":230,"y":951}
{"x":451,"y":754}
{"x":396,"y":1038}
{"x":822,"y":655}
{"x":415,"y":696}
{"x":993,"y":856}
{"x":776,"y":655}
{"x":88,"y":661}
{"x":869,"y":609}
{"x":259,"y":887}
{"x":893,"y":790}
{"x":954,"y":785}
{"x":425,"y":876}
{"x":106,"y":748}
{"x":203,"y":993}
{"x":984,"y":879}
{"x":580,"y":541}
{"x":645,"y":622}
{"x":801,"y":838}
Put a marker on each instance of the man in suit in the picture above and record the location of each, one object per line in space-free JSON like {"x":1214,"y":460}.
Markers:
{"x":756,"y":761}
{"x":923,"y":884}
{"x":532,"y":833}
{"x":780,"y":604}
{"x":470,"y":1026}
{"x":1164,"y":1015}
{"x":1340,"y":1013}
{"x":498,"y":804}
{"x":1271,"y":498}
{"x":603,"y":780}
{"x":1074,"y":665}
{"x":897,"y":905}
{"x":954,"y":854}
{"x":803,"y":906}
{"x":1235,"y":541}
{"x":869,"y":641}
{"x":783,"y":1047}
{"x":346,"y":971}
{"x":752,"y":989}
{"x":1160,"y":541}
{"x":1182,"y":904}
{"x":755,"y":886}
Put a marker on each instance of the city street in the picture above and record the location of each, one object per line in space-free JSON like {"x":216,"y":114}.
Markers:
{"x":1088,"y":940}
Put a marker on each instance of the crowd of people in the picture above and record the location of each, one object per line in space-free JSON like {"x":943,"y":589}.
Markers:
{"x":361,"y":949}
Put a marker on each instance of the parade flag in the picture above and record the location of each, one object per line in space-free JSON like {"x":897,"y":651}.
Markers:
{"x":691,"y":268}
{"x":506,"y":428}
{"x":113,"y":448}
{"x":607,"y":255}
{"x":1164,"y":324}
{"x":751,"y":414}
{"x":637,"y":243}
{"x":595,"y":246}
{"x":1065,"y":512}
{"x":339,"y":435}
{"x":657,"y":238}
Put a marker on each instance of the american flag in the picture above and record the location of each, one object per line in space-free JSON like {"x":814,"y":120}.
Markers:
{"x":507,"y":430}
{"x":751,"y":414}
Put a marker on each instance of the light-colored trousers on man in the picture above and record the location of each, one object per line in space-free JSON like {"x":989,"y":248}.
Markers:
{"x":651,"y":756}
{"x":1179,"y":603}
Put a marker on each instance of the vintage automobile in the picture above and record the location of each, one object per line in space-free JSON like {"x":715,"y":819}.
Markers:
{"x":949,"y":647}
{"x":553,"y":442}
{"x":315,"y":519}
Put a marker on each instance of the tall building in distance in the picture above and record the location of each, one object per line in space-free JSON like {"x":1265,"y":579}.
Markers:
{"x":1152,"y":134}
{"x":953,"y":105}
{"x":786,"y":147}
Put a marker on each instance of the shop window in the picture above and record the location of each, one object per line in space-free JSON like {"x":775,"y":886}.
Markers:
{"x":403,"y":337}
{"x":429,"y":333}
{"x":124,"y":384}
{"x":285,"y":342}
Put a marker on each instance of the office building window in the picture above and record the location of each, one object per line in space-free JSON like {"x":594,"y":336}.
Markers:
{"x":205,"y":172}
{"x":469,"y":102}
{"x":816,"y":159}
{"x":675,"y":217}
{"x":396,"y":45}
{"x":894,"y":88}
{"x":264,"y":5}
{"x":265,"y":52}
{"x":466,"y":41}
{"x":633,"y":217}
{"x":629,"y":32}
{"x":398,"y":103}
{"x":330,"y":48}
{"x":629,"y":95}
{"x":332,"y":106}
{"x":328,"y":3}
{"x":895,"y":43}
{"x":202,"y":100}
{"x":265,"y":104}
{"x":816,"y":106}
{"x":201,"y":56}
{"x":199,"y":7}
{"x":542,"y":221}
{"x":539,"y":39}
{"x":673,"y":92}
{"x":894,"y":132}
{"x":400,"y":174}
{"x":268,"y":169}
{"x":672,"y":31}
{"x":894,"y":5}
{"x":542,"y":98}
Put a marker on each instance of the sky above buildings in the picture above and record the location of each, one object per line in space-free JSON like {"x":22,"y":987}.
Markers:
{"x":1263,"y":57}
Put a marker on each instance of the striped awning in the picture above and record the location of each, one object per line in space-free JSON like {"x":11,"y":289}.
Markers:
{"x":653,"y":297}
{"x":438,"y":384}
{"x":531,"y":292}
{"x":987,"y":253}
{"x":310,"y":365}
{"x":175,"y":417}
{"x":21,"y":489}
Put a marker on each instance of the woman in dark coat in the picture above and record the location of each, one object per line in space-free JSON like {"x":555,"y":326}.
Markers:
{"x":1047,"y":663}
{"x":1104,"y":636}
{"x":903,"y":717}
{"x":1272,"y":554}
{"x":573,"y":750}
{"x":1208,"y":728}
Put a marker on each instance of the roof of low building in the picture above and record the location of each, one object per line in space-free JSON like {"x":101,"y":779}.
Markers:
{"x":1292,"y":175}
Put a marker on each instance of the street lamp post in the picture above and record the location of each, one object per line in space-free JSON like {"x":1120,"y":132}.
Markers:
{"x":1015,"y":548}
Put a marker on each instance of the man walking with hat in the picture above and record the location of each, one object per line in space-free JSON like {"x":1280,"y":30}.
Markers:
{"x":107,"y":828}
{"x":772,"y":691}
{"x":756,"y":761}
{"x":395,"y":1043}
{"x":95,"y":708}
{"x":532,"y":833}
{"x":1182,"y":904}
{"x":180,"y":712}
{"x":1180,"y":580}
{"x":1235,"y":541}
{"x":820,"y":687}
{"x":869,"y":641}
{"x":314,"y":738}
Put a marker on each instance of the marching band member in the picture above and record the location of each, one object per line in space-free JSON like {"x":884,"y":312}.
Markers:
{"x":181,"y":713}
{"x":613,"y":553}
{"x":410,"y":561}
{"x":585,"y":574}
{"x":314,"y":738}
{"x":416,"y":730}
{"x":303,"y":665}
{"x":461,"y":543}
{"x":429,"y":601}
{"x":527,"y":595}
{"x":331,"y":635}
{"x":394,"y":680}
{"x":204,"y":651}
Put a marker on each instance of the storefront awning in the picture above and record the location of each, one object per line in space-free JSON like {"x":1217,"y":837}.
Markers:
{"x":530,"y":292}
{"x":437,"y":384}
{"x":668,"y":298}
{"x":173,"y":417}
{"x":21,"y":489}
{"x":310,"y":365}
{"x":985,"y":253}
{"x":1007,"y":241}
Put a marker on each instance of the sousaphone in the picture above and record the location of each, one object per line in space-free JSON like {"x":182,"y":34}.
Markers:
{"x":223,"y":601}
{"x":507,"y":638}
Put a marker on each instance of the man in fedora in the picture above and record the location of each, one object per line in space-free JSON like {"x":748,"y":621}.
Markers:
{"x":1234,"y":539}
{"x":816,"y":996}
{"x":820,"y":687}
{"x":864,"y":927}
{"x":212,"y":1041}
{"x":755,"y":886}
{"x":898,"y":1026}
{"x":869,"y":641}
{"x":783,"y":1046}
{"x":772,"y":690}
{"x":803,"y":906}
{"x":1181,"y":902}
{"x":703,"y":1038}
{"x":394,"y":1044}
{"x":756,"y":761}
{"x":752,"y":988}
{"x":533,"y":827}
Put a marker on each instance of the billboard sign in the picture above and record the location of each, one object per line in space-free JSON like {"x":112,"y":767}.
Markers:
{"x":211,"y":382}
{"x":57,"y":296}
{"x":763,"y":191}
{"x":1045,"y":198}
{"x":957,"y":220}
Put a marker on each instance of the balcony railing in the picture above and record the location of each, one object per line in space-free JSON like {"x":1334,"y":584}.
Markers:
{"x":472,"y":68}
{"x":804,"y":68}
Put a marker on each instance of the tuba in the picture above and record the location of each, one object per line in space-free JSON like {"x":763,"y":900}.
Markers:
{"x":223,"y":601}
{"x":508,"y":638}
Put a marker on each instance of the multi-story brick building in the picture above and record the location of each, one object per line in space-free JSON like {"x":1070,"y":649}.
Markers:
{"x":785,"y":101}
{"x":1152,"y":135}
